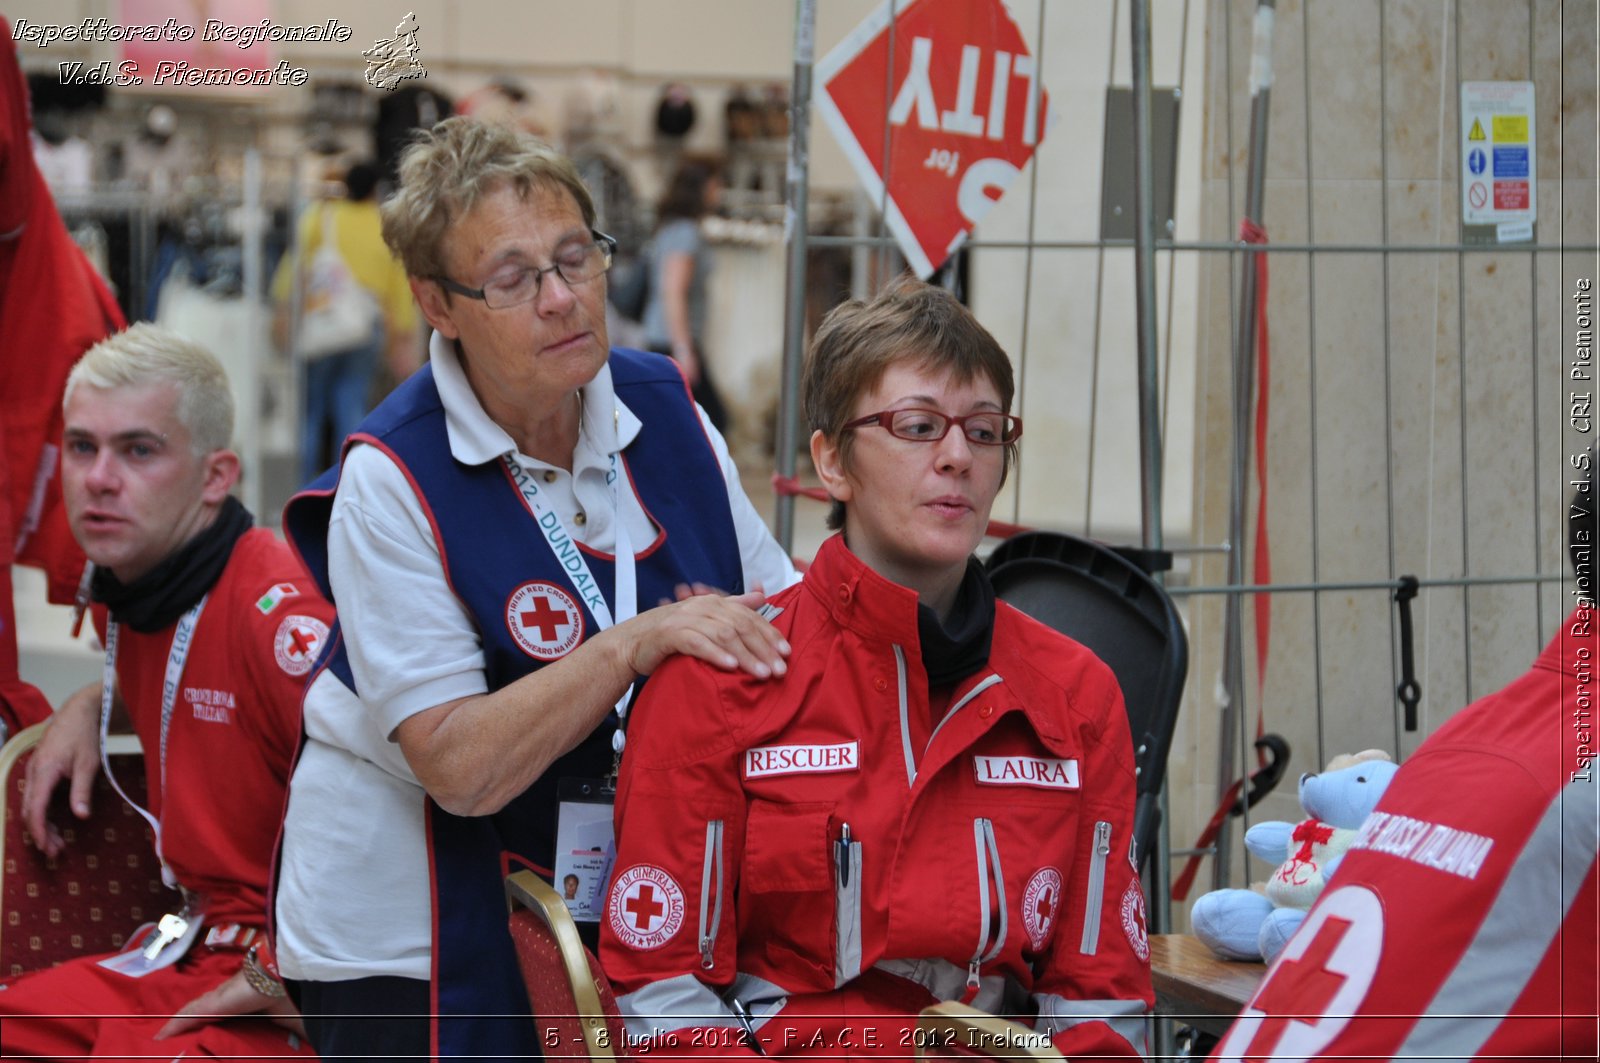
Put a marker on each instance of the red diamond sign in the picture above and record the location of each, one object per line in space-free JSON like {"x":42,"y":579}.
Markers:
{"x":965,"y":114}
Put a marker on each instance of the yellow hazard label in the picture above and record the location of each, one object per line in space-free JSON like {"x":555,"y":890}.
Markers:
{"x":1510,"y":129}
{"x":1477,"y":131}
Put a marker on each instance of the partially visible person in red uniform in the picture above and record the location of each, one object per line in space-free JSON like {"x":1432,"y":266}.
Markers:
{"x":934,"y":803}
{"x":213,"y":627}
{"x":53,"y":306}
{"x":1462,"y":922}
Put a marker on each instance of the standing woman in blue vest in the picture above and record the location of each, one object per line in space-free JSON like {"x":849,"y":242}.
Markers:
{"x":496,"y":538}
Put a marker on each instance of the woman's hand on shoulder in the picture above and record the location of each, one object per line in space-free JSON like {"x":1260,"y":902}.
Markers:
{"x":723,"y":630}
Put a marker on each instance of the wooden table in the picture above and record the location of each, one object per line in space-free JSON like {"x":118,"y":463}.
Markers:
{"x":1195,"y":987}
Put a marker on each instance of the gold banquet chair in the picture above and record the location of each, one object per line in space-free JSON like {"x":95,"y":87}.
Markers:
{"x":105,"y":883}
{"x":571,"y":999}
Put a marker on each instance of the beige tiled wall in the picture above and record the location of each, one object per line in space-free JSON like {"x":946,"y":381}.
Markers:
{"x":1417,"y":420}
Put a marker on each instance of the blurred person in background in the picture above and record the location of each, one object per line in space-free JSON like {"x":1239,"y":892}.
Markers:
{"x":338,"y":384}
{"x":680,"y":283}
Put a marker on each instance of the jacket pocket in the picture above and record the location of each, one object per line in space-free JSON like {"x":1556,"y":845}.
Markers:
{"x":786,"y":874}
{"x":711,"y":879}
{"x":787,"y":847}
{"x":1097,"y":888}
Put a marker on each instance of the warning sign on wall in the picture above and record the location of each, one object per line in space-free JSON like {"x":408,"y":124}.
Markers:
{"x":1498,"y":179}
{"x":951,"y":117}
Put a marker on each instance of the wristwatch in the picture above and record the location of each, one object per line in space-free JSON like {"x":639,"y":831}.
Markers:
{"x":257,"y":973}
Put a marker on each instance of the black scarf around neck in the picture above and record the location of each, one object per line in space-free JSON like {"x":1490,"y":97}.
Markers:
{"x":160,"y":596}
{"x":958,"y":646}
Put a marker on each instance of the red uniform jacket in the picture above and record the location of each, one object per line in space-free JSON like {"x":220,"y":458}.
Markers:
{"x":830,"y":846}
{"x":235,"y":724}
{"x":219,"y":794}
{"x":53,"y":307}
{"x":1461,"y":924}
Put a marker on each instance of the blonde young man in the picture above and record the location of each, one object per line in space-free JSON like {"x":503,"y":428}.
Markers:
{"x":191,"y":593}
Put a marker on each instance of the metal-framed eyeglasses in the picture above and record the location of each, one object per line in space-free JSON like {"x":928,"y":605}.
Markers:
{"x":576,"y":263}
{"x":987,"y":428}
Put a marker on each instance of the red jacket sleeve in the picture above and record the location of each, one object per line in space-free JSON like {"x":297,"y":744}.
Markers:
{"x":668,"y":938}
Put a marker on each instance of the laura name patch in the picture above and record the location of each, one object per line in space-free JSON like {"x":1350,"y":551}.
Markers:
{"x":1047,"y":773}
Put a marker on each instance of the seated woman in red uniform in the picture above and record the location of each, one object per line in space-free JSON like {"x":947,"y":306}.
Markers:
{"x":935,"y":803}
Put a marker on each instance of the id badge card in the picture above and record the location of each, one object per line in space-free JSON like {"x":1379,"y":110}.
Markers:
{"x":156,"y":945}
{"x":586,"y":846}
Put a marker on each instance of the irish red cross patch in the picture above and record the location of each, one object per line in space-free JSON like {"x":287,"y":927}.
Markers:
{"x":646,"y":907}
{"x":544,"y":619}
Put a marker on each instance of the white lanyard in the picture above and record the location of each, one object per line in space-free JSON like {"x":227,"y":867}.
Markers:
{"x":177,"y":657}
{"x":626,"y":597}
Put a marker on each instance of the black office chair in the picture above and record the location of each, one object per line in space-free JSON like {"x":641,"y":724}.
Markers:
{"x":1088,"y":591}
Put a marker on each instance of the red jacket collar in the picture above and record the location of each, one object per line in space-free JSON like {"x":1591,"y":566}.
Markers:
{"x":879,"y":609}
{"x":861,"y":600}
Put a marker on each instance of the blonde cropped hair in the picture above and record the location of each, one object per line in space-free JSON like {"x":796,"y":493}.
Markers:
{"x":449,"y":168}
{"x":146,"y":354}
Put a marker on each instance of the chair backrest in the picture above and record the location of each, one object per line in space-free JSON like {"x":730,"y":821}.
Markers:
{"x":1089,"y":592}
{"x":571,"y":1000}
{"x":952,"y":1030}
{"x":105,"y":883}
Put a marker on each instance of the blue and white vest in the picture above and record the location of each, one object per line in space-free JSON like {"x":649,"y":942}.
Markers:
{"x":490,"y":546}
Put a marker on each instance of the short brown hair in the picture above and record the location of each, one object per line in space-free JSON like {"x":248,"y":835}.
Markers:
{"x":446,"y":170}
{"x":908,"y":321}
{"x":685,"y":195}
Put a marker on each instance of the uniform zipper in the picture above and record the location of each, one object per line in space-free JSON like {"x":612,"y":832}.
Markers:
{"x":905,"y":713}
{"x":990,"y":942}
{"x":905,"y":717}
{"x":711,"y":887}
{"x":1097,"y":888}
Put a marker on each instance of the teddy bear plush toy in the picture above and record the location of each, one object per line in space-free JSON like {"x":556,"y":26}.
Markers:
{"x":1255,"y":924}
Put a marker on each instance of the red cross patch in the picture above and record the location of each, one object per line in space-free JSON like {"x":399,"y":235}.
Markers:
{"x":297,"y":643}
{"x":544,"y":619}
{"x":1041,"y":900}
{"x":646,"y":907}
{"x":1133,"y":923}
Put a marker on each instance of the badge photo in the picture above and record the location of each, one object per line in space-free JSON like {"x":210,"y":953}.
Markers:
{"x":297,"y":643}
{"x":544,"y":619}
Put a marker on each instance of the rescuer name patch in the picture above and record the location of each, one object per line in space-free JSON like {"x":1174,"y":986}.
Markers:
{"x":1046,"y":773}
{"x":801,"y":759}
